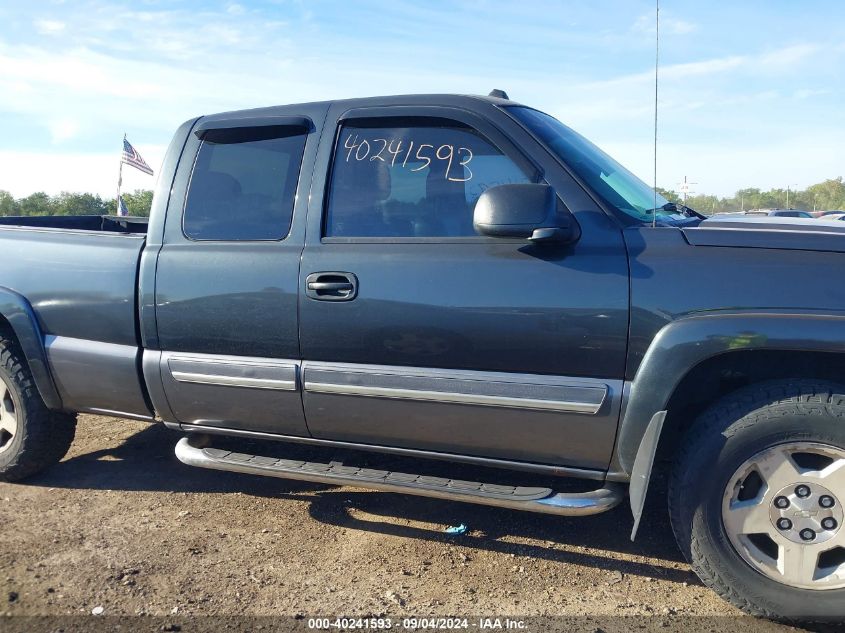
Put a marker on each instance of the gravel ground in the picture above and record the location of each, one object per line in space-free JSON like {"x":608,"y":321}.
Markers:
{"x":121,"y":526}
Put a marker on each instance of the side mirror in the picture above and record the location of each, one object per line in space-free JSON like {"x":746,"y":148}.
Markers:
{"x":528,"y":211}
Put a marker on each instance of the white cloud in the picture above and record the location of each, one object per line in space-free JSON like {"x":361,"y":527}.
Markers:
{"x":786,"y":56}
{"x":76,"y":71}
{"x":707,"y":85}
{"x":26,"y":172}
{"x":49,"y":27}
{"x":806,"y":93}
{"x":679,"y":27}
{"x":768,"y":62}
{"x":682,"y":71}
{"x":705,"y":67}
{"x":63,"y":129}
{"x":106,"y":91}
{"x":668,"y":25}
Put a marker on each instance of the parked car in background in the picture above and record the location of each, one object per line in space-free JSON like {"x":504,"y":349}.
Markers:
{"x":731,"y":215}
{"x":783,"y":213}
{"x":759,"y":213}
{"x":824,"y":214}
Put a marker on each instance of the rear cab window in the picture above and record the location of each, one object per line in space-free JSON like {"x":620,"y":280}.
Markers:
{"x":243,"y":184}
{"x":421,"y":178}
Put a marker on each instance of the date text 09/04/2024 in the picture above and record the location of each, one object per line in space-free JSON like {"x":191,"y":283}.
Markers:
{"x":416,"y":624}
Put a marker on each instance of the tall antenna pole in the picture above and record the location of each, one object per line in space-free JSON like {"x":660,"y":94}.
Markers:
{"x":656,"y":64}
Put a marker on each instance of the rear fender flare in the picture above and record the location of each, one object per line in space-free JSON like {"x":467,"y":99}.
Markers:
{"x":15,"y":308}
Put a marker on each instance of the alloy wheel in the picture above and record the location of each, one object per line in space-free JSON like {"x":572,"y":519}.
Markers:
{"x":782,"y":511}
{"x":8,"y":417}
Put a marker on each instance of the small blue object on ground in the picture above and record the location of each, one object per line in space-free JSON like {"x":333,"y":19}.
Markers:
{"x":456,"y":529}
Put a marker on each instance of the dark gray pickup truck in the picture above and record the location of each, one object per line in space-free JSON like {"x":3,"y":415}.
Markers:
{"x":457,"y":278}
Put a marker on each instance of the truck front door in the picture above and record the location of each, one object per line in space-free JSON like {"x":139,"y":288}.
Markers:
{"x":418,"y":333}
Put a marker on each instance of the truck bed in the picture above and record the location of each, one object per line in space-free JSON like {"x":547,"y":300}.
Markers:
{"x":102,"y":223}
{"x":79,"y":274}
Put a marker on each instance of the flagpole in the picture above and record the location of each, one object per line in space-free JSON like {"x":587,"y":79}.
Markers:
{"x":120,"y":179}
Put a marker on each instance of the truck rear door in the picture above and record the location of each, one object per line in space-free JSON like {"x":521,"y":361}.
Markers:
{"x":416,"y":332}
{"x":227,"y":273}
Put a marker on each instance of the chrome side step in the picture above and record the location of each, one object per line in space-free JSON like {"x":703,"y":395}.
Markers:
{"x":191,"y":451}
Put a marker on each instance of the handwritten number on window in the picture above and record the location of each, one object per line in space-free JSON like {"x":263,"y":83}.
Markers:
{"x":410,"y":148}
{"x":350,"y":145}
{"x":465,"y":164}
{"x":383,"y":147}
{"x":358,"y":154}
{"x":394,"y":152}
{"x":425,"y":158}
{"x":448,"y":155}
{"x":394,"y":148}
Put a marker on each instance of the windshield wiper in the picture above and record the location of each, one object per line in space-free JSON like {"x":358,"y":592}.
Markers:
{"x":678,"y":208}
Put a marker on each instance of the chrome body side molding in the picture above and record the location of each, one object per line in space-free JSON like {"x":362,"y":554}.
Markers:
{"x":232,"y":392}
{"x":233,"y":371}
{"x":495,"y":389}
{"x":559,"y":421}
{"x":498,"y":389}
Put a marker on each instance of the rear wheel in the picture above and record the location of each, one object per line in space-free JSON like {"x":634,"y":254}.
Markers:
{"x":31,"y":436}
{"x":757,"y":498}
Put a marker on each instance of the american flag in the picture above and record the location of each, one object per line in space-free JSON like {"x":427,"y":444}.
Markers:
{"x":132,"y":157}
{"x":121,"y":207}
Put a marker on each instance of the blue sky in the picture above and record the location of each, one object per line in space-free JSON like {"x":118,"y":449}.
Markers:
{"x":752,"y":92}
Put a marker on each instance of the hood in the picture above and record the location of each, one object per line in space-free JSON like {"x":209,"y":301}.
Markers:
{"x":769,"y":232}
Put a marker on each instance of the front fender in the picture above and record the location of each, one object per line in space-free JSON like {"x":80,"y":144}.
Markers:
{"x":685,"y":343}
{"x":21,"y":317}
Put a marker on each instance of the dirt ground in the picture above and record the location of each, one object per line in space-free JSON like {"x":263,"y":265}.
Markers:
{"x":121,"y":525}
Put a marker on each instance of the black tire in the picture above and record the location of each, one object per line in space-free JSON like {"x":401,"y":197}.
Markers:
{"x":42,"y":436}
{"x":722,"y":439}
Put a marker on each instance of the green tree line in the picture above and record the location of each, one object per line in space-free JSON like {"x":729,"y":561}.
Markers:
{"x":823,"y":196}
{"x":137,"y":203}
{"x":826,"y":195}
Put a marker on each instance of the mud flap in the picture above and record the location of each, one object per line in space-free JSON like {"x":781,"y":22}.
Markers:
{"x":643,"y":463}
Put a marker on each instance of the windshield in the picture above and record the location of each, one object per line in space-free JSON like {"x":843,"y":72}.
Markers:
{"x":618,"y":186}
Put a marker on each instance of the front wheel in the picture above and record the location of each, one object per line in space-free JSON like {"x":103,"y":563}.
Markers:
{"x":756,"y":500}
